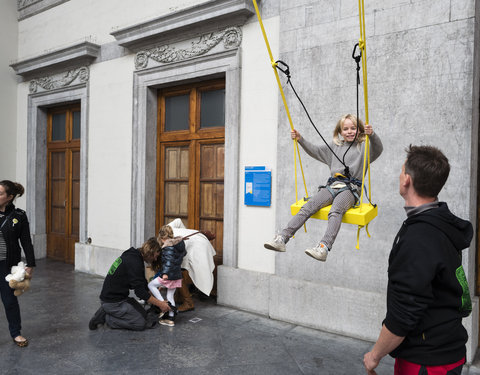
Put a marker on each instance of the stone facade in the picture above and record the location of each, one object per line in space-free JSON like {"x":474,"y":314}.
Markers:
{"x":423,"y":85}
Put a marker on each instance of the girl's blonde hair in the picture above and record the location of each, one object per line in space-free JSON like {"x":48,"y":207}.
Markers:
{"x":338,"y":129}
{"x":165,"y":232}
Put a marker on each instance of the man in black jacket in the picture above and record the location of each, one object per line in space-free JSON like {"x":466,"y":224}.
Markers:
{"x":427,"y":294}
{"x":128,"y":272}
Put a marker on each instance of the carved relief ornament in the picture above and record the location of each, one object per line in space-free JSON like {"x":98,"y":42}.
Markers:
{"x":25,"y":3}
{"x":231,"y":37}
{"x":80,"y":75}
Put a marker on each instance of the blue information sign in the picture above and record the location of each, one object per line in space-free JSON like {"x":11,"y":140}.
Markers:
{"x":258,"y":186}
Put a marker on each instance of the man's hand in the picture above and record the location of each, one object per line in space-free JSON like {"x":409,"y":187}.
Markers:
{"x":164,"y":306}
{"x":387,"y":341}
{"x":370,"y":363}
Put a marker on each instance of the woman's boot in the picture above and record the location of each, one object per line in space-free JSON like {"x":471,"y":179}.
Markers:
{"x":187,"y":304}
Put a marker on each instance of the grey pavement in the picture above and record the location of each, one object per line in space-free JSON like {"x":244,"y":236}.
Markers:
{"x":212,"y":339}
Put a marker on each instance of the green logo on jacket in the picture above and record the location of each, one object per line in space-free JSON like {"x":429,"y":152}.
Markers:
{"x":114,"y":266}
{"x":466,"y":307}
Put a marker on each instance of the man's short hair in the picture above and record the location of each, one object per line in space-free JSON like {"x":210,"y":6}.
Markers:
{"x":150,"y":247}
{"x":429,"y":169}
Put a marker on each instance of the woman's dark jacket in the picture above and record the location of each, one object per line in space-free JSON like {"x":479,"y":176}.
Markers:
{"x":16,"y":228}
{"x":173,"y":252}
{"x":427,"y":294}
{"x":126,"y":272}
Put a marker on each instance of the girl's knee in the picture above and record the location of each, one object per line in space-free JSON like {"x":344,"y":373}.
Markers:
{"x":336,"y":213}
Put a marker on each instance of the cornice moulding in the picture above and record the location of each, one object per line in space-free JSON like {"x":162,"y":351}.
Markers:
{"x":185,"y":23}
{"x":82,"y":53}
{"x":29,"y":8}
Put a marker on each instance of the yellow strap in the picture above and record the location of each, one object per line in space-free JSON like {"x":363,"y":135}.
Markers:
{"x":366,"y":230}
{"x":358,"y":237}
{"x":296,"y":149}
{"x":366,"y":157}
{"x":362,"y":46}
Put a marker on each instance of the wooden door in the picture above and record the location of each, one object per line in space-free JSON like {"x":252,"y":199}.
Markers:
{"x":190,"y":159}
{"x":210,"y":161}
{"x":63,"y":182}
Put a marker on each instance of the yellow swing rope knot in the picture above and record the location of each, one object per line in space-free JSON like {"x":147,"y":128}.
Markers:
{"x":361,"y":44}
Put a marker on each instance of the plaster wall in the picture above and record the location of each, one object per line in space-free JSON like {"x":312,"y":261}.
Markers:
{"x":420,"y":92}
{"x":81,"y":19}
{"x":8,"y":91}
{"x":258,"y":132}
{"x":110,"y":153}
{"x":21,"y":141}
{"x":420,"y":73}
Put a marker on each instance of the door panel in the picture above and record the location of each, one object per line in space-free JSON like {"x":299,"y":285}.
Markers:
{"x":175,"y":196}
{"x":63,"y":183}
{"x":74,"y":206}
{"x":211,"y":191}
{"x":55,"y":238}
{"x":190,"y":159}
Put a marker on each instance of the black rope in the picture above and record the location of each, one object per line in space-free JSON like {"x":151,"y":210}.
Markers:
{"x":285,"y":69}
{"x":357,"y":59}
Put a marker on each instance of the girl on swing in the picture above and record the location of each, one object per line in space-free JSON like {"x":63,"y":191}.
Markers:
{"x":340,"y":191}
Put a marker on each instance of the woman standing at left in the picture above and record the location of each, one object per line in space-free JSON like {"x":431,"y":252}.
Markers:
{"x":13,"y":227}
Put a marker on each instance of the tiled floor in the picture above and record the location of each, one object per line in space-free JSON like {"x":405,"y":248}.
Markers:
{"x":209,"y":340}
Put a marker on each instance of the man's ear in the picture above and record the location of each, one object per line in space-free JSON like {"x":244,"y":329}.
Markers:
{"x":407,"y":181}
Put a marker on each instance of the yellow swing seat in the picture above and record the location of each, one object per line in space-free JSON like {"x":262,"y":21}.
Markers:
{"x":360,"y":215}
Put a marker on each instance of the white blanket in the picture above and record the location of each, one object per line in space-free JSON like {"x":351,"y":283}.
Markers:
{"x":199,"y":258}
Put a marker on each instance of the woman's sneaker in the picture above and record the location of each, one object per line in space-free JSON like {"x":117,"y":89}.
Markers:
{"x":318,"y":252}
{"x":277,"y":244}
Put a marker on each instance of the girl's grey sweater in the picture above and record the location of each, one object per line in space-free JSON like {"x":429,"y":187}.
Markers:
{"x":353,"y":159}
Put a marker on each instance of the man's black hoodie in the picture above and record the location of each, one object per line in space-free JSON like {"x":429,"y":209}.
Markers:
{"x":427,"y":292}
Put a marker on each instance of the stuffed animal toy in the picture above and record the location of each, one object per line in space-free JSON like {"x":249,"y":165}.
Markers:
{"x":18,"y":279}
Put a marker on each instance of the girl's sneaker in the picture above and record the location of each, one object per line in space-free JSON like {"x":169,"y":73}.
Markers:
{"x":318,"y":252}
{"x":167,"y":321}
{"x":277,"y":244}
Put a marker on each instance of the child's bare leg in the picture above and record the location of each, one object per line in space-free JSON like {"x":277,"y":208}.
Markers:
{"x":342,"y":202}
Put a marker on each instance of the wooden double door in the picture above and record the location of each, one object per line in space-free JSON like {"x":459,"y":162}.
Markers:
{"x":63,"y":182}
{"x":190,"y":158}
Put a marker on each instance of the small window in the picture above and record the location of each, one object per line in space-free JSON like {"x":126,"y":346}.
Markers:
{"x":177,"y":110}
{"x":212,"y":108}
{"x":58,"y":127}
{"x":76,"y":125}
